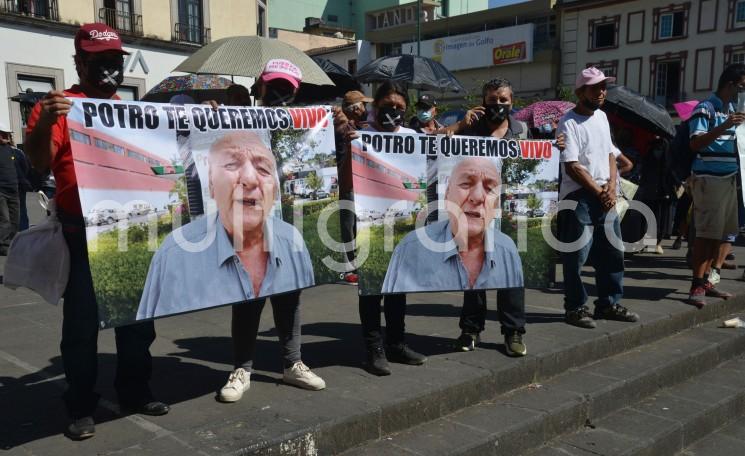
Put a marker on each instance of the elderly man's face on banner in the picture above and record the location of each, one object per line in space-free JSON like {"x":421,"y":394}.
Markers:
{"x":242,"y":180}
{"x":474,"y":187}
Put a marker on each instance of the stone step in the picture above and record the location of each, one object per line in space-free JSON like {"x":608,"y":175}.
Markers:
{"x":523,"y":419}
{"x":727,"y":440}
{"x":451,"y":383}
{"x":687,"y":417}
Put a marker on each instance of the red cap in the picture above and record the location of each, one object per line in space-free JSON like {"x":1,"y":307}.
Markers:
{"x":98,"y":37}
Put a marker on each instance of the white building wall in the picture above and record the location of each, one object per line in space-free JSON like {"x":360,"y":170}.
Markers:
{"x":44,"y":53}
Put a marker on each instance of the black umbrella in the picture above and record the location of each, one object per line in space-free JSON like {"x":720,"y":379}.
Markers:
{"x":416,"y":72}
{"x":639,"y":110}
{"x":29,"y":97}
{"x":342,"y":79}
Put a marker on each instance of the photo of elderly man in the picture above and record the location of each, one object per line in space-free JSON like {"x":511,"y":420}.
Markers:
{"x":239,"y":254}
{"x":476,"y":255}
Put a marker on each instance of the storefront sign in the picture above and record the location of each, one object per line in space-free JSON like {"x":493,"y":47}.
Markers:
{"x":477,"y":50}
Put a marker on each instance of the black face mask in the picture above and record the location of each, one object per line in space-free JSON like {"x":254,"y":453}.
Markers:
{"x":496,"y":113}
{"x":106,"y":74}
{"x":590,"y":105}
{"x":389,"y":118}
{"x":274,"y":97}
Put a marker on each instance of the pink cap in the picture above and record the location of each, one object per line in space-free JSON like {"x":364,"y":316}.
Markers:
{"x":282,"y":69}
{"x":591,"y":76}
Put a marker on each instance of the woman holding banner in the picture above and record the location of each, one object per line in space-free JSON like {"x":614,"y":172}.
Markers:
{"x":389,"y":107}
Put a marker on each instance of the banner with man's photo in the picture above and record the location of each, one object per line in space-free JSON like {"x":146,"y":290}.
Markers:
{"x":439,"y":213}
{"x":190,"y":207}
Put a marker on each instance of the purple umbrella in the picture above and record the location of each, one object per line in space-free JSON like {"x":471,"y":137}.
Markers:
{"x":544,"y":112}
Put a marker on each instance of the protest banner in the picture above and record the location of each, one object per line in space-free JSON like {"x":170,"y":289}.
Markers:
{"x":188,"y":207}
{"x":499,"y":191}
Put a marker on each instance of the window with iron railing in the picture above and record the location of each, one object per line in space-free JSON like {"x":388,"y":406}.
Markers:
{"x":120,"y":15}
{"x":190,"y":26}
{"x":191,"y":34}
{"x":43,"y":9}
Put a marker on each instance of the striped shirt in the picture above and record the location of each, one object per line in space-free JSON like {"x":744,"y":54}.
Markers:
{"x":720,"y":157}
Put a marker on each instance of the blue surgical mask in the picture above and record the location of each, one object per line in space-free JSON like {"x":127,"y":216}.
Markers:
{"x":424,"y":116}
{"x":546,"y":128}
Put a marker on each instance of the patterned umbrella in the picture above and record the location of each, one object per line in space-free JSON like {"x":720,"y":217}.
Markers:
{"x":188,"y":84}
{"x":543,"y":112}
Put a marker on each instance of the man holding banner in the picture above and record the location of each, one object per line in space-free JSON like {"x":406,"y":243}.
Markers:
{"x":493,"y":119}
{"x":99,"y":62}
{"x":464,"y":252}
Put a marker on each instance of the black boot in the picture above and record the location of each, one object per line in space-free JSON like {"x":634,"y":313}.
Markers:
{"x":377,"y":364}
{"x":401,"y":353}
{"x":81,"y":429}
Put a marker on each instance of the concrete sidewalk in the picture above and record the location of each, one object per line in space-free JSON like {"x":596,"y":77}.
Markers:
{"x":192,"y":359}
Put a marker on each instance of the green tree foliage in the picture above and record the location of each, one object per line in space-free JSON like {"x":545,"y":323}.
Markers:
{"x":313,"y":182}
{"x":516,"y":170}
{"x":534,"y":202}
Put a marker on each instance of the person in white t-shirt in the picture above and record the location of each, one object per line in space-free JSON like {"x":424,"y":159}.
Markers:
{"x":589,"y":177}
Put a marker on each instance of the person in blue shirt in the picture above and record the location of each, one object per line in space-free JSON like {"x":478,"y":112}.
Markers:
{"x":465,"y":252}
{"x":713,"y":178}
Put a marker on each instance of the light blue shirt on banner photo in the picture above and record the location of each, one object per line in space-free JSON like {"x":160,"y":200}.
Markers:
{"x":185,"y":275}
{"x":416,"y":267}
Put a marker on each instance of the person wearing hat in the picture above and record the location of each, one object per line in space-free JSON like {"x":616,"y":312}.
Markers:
{"x":424,"y":121}
{"x":99,"y":61}
{"x":352,"y":116}
{"x":9,"y":197}
{"x":588,"y":180}
{"x":278,"y":84}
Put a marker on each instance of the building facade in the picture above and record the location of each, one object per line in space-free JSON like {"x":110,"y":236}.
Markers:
{"x":669,"y":51}
{"x":159,"y":34}
{"x":518,"y":42}
{"x":354,"y":14}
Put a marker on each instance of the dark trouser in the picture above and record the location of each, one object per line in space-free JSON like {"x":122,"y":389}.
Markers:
{"x":348,"y":221}
{"x":606,"y":259}
{"x":8,"y":219}
{"x":80,"y":339}
{"x":395,"y":313}
{"x":510,"y":311}
{"x":245,"y":328}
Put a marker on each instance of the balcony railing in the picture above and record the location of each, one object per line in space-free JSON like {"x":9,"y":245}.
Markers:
{"x":187,"y":33}
{"x":45,"y":9}
{"x":123,"y":21}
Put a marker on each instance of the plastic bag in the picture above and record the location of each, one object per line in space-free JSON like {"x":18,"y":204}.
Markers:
{"x":38,"y":258}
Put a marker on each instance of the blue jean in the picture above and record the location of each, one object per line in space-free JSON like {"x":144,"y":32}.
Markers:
{"x":606,"y":259}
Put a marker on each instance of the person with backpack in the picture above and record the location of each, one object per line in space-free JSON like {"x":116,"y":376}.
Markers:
{"x":713,"y":178}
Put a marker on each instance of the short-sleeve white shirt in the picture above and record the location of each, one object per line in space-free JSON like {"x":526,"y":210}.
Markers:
{"x":588,"y":142}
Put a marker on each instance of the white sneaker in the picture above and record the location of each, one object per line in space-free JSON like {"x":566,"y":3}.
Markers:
{"x":300,"y":375}
{"x":238,"y":383}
